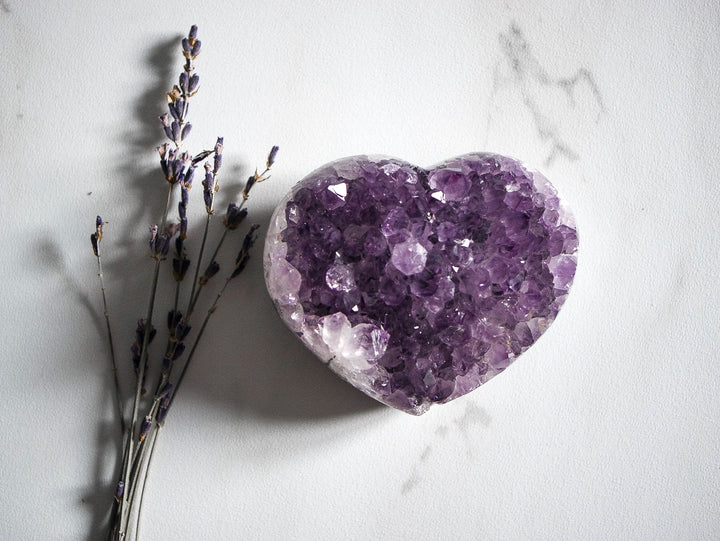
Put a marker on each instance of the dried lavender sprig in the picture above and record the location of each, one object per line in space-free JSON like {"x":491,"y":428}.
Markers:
{"x":234,"y":216}
{"x":162,"y":399}
{"x":211,"y":187}
{"x":95,"y":239}
{"x":177,"y":105}
{"x":124,"y":510}
{"x":154,"y":435}
{"x":241,"y":263}
{"x":260,"y":177}
{"x":232,"y":220}
{"x":169,"y":393}
{"x":187,"y":86}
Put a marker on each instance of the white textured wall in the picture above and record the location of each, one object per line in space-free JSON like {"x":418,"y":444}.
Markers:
{"x":606,"y":429}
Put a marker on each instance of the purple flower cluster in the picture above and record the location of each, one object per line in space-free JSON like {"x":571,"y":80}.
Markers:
{"x":210,"y":185}
{"x":160,"y":244}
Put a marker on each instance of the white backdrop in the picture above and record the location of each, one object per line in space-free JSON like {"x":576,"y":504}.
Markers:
{"x":606,"y":429}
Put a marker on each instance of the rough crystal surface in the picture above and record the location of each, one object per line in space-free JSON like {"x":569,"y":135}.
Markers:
{"x":417,"y":285}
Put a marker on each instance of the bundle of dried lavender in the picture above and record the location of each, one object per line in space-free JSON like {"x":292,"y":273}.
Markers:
{"x":178,"y":167}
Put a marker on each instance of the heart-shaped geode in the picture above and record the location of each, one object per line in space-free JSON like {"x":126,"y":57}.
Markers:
{"x":418,"y":285}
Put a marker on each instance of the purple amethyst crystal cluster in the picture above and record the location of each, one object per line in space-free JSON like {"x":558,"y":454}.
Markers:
{"x":415,"y":285}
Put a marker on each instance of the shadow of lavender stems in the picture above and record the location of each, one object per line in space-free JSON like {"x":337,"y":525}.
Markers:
{"x":253,"y":363}
{"x":248,"y":360}
{"x":98,"y":494}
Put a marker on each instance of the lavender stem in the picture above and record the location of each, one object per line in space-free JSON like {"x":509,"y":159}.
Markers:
{"x":106,"y":312}
{"x":191,"y":304}
{"x":155,"y":435}
{"x":210,"y":312}
{"x":125,"y":507}
{"x":193,"y":300}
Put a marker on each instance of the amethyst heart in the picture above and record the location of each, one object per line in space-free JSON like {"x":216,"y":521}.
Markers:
{"x":414,"y":285}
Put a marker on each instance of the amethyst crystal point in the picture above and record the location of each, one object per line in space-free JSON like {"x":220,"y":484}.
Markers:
{"x":414,"y":285}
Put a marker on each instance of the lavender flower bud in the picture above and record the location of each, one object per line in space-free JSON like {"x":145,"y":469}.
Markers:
{"x":178,"y":351}
{"x":193,"y":32}
{"x":140,"y":333}
{"x":94,"y":242}
{"x":185,"y":131}
{"x":272,"y":156}
{"x":166,"y":367}
{"x":184,"y":81}
{"x":187,"y":48}
{"x":180,"y":262}
{"x":248,"y":186}
{"x":164,"y":120}
{"x":200,"y":157}
{"x":160,"y":248}
{"x":163,"y":150}
{"x":176,"y":170}
{"x":208,"y":188}
{"x":182,"y":210}
{"x":165,"y":391}
{"x":211,"y":270}
{"x":175,"y":128}
{"x":180,"y":268}
{"x":160,"y":245}
{"x":96,"y":237}
{"x":234,"y":216}
{"x":145,"y":427}
{"x":162,"y":410}
{"x":182,"y":330}
{"x":153,"y":234}
{"x":173,"y":318}
{"x":193,"y":84}
{"x":189,"y":177}
{"x":195,"y":49}
{"x":119,"y":491}
{"x":175,"y":111}
{"x":218,"y":155}
{"x":184,"y":197}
